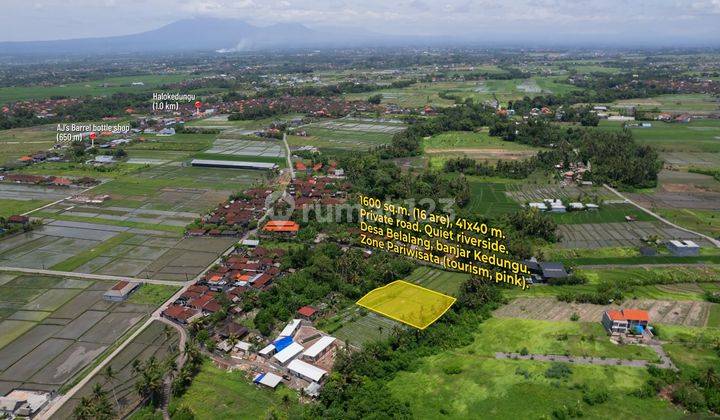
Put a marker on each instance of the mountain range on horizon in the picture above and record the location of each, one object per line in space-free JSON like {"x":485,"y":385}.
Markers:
{"x":205,"y":34}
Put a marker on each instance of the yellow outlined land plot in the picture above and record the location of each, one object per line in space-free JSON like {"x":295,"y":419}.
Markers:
{"x":407,"y":303}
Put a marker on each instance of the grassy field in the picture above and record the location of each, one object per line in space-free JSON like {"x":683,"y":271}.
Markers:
{"x":552,"y":337}
{"x":79,"y":170}
{"x":325,"y":138}
{"x":10,"y":207}
{"x":78,"y":260}
{"x":447,"y":282}
{"x":407,"y":303}
{"x":610,"y":213}
{"x":675,"y":283}
{"x":21,"y":141}
{"x":696,"y":136}
{"x":152,"y":294}
{"x":100,"y":87}
{"x":357,"y":326}
{"x":640,"y":260}
{"x":422,"y":94}
{"x":280,"y":161}
{"x":476,"y":145}
{"x":703,"y":221}
{"x":676,"y":103}
{"x":691,"y":348}
{"x":216,"y":394}
{"x":463,"y":382}
{"x":488,"y":198}
{"x":472,"y":140}
{"x":178,"y":142}
{"x":98,"y":220}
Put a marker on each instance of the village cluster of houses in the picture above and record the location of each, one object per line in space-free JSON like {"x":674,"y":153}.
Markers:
{"x":42,"y":108}
{"x":233,"y":217}
{"x":300,"y":350}
{"x":249,"y":268}
{"x":309,"y":105}
{"x":48,"y":180}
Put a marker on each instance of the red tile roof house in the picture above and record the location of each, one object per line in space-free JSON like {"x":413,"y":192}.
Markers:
{"x":625,"y":320}
{"x":205,"y":303}
{"x":307,"y":312}
{"x":179,"y":313}
{"x":18,"y":219}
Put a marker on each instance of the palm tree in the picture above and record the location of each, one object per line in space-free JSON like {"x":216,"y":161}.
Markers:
{"x":110,"y":375}
{"x":95,"y":406}
{"x":103,"y":408}
{"x":167,"y":330}
{"x":136,"y":366}
{"x":710,"y":378}
{"x":84,"y":409}
{"x":150,"y":383}
{"x":233,"y":339}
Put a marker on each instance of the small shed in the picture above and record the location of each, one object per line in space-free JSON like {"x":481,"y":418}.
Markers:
{"x":120,"y":291}
{"x":269,"y":379}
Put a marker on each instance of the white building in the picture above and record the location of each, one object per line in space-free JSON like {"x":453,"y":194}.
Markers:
{"x":306,"y":371}
{"x":288,"y":353}
{"x":318,"y":349}
{"x":243,"y":346}
{"x":267,"y":351}
{"x":269,"y":379}
{"x":684,"y":248}
{"x":120,"y":291}
{"x":290,"y":328}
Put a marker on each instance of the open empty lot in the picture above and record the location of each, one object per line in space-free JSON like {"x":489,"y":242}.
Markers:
{"x":370,"y":126}
{"x":408,"y":303}
{"x":358,"y":326}
{"x":345,"y":134}
{"x":53,"y":327}
{"x":690,"y":313}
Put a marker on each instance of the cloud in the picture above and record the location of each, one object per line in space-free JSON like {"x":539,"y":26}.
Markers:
{"x":47,"y":19}
{"x":419,"y":5}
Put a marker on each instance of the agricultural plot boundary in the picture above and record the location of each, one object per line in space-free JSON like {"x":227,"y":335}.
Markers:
{"x":407,"y":303}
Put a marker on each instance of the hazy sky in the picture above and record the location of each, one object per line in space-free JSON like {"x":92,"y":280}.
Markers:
{"x":642,"y":21}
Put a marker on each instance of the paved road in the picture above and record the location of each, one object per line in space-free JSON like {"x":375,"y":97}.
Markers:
{"x":90,"y":276}
{"x":287,"y":155}
{"x":662,"y":219}
{"x":181,"y":359}
{"x":665,"y":363}
{"x":573,"y":359}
